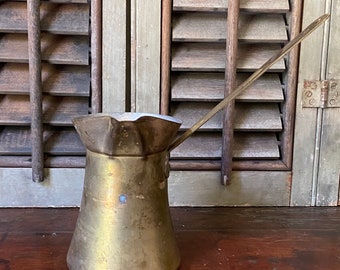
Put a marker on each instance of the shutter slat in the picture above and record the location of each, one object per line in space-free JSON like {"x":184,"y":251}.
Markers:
{"x":248,"y":116}
{"x":15,"y":109}
{"x":246,"y":146}
{"x":56,"y":79}
{"x":17,"y":141}
{"x":55,"y":18}
{"x":256,"y":146}
{"x":274,"y":6}
{"x":195,"y":27}
{"x":56,"y":49}
{"x":210,"y":87}
{"x":211,"y":57}
{"x":61,"y":1}
{"x":257,"y":117}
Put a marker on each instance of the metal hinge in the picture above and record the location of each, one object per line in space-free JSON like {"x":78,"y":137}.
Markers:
{"x":321,"y":94}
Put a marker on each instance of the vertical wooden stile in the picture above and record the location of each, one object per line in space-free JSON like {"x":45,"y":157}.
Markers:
{"x":230,"y":85}
{"x":293,"y":59}
{"x":96,"y":48}
{"x":165,"y":56}
{"x":34,"y":52}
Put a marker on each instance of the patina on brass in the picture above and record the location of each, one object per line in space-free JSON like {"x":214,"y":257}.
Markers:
{"x":124,"y":220}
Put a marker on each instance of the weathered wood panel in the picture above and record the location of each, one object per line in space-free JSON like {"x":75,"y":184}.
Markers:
{"x":195,"y":27}
{"x":279,"y":6}
{"x":56,"y":79}
{"x":17,"y":141}
{"x":246,"y":146}
{"x":247,"y":188}
{"x":220,"y":238}
{"x":61,"y":1}
{"x":211,"y":57}
{"x":329,"y":164}
{"x":70,"y":19}
{"x":15,"y":109}
{"x":210,"y":87}
{"x":63,"y":187}
{"x":310,"y":68}
{"x":248,"y":116}
{"x":148,"y":58}
{"x":114,"y":75}
{"x":56,"y":49}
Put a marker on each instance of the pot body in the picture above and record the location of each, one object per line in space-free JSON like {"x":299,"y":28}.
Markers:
{"x":124,"y":220}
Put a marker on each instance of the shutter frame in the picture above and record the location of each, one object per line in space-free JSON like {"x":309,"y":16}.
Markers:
{"x":285,"y":136}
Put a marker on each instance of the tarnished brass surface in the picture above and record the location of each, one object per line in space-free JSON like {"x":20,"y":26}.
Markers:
{"x":124,"y":220}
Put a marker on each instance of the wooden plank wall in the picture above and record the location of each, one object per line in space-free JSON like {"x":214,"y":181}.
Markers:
{"x":131,"y":56}
{"x":305,"y":121}
{"x":329,"y":165}
{"x":316,"y":164}
{"x":147,"y":61}
{"x":63,"y":186}
{"x":114,"y":56}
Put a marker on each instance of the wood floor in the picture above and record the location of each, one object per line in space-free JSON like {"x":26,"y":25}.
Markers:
{"x":208,"y":238}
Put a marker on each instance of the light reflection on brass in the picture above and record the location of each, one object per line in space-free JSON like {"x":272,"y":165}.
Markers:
{"x":124,"y":220}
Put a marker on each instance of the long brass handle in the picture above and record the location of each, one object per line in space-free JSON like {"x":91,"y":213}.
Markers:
{"x":287,"y":48}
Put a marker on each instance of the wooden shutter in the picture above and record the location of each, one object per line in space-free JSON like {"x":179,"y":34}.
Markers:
{"x":193,"y":81}
{"x":69,"y":79}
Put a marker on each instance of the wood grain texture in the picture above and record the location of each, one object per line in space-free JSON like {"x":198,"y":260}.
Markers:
{"x":211,"y":57}
{"x":114,"y":53}
{"x":61,"y":188}
{"x":203,"y":146}
{"x":247,"y":188}
{"x":166,"y":56}
{"x":329,"y":166}
{"x":34,"y":64}
{"x":305,"y":119}
{"x":56,"y":79}
{"x":198,"y":27}
{"x":62,"y":1}
{"x":49,"y":161}
{"x":56,"y":110}
{"x":57,"y":141}
{"x":210,"y":86}
{"x":228,"y":112}
{"x":278,"y":6}
{"x":248,"y":116}
{"x":208,"y":238}
{"x":65,"y":19}
{"x":290,"y":80}
{"x":56,"y":49}
{"x":148,"y":57}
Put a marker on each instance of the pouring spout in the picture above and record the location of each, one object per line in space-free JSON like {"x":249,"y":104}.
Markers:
{"x":126,"y":134}
{"x":286,"y":49}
